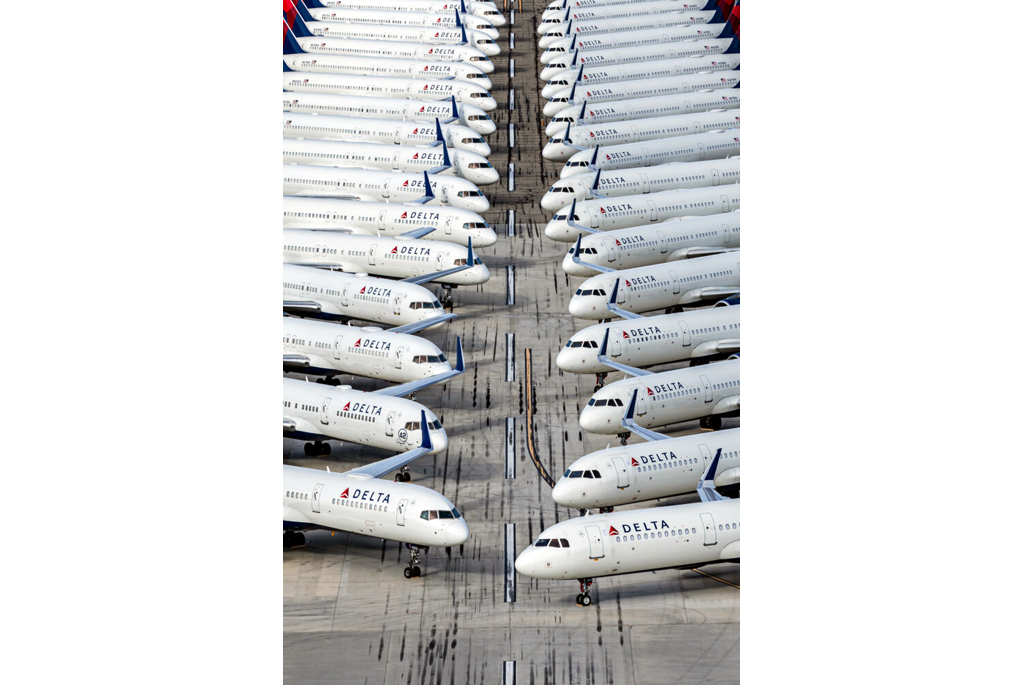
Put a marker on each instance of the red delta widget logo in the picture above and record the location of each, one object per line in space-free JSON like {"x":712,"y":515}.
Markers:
{"x":611,"y":529}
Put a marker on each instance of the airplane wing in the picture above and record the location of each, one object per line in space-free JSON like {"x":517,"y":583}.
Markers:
{"x":628,"y":422}
{"x":616,"y":309}
{"x":576,"y":256}
{"x":692,"y":252}
{"x":706,"y":486}
{"x":420,"y":325}
{"x":426,"y":278}
{"x":300,"y":361}
{"x":413,"y":386}
{"x":386,"y":466}
{"x":417,"y":232}
{"x":428,"y":192}
{"x":570,"y":221}
{"x":302,"y":306}
{"x":446,"y":161}
{"x":602,"y":356}
{"x":597,"y":179}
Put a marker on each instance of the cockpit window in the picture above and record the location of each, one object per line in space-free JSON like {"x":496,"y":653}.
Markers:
{"x":470,"y":193}
{"x":428,"y":359}
{"x":434,"y":514}
{"x":552,"y":542}
{"x":425,"y":305}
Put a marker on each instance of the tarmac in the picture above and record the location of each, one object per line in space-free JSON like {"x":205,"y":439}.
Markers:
{"x":349,"y":614}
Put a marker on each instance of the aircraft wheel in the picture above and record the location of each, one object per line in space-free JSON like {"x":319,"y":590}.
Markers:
{"x":308,"y":449}
{"x":585,"y":600}
{"x":408,"y":572}
{"x":579,"y":598}
{"x":325,"y":450}
{"x":417,"y":572}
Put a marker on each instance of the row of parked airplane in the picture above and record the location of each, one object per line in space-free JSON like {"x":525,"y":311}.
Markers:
{"x":643,"y":100}
{"x":385,"y":106}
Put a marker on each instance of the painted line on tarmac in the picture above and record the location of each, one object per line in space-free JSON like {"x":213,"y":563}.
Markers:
{"x":510,"y":284}
{"x":510,"y":447}
{"x":510,"y":563}
{"x":510,"y":357}
{"x":529,"y":422}
{"x":720,"y":580}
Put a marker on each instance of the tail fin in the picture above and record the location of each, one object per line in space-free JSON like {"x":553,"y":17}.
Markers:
{"x":291,"y":46}
{"x":727,"y":31}
{"x":303,"y":11}
{"x":299,"y":27}
{"x":315,"y":4}
{"x":733,"y":49}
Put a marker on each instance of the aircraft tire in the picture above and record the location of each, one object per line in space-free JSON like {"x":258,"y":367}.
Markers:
{"x":585,"y":600}
{"x":408,"y":572}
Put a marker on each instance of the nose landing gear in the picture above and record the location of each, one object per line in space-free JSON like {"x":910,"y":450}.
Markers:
{"x":413,"y":569}
{"x":599,"y":382}
{"x":583,"y":599}
{"x":446,"y":296}
{"x":623,"y":437}
{"x":316,"y":449}
{"x":606,"y":510}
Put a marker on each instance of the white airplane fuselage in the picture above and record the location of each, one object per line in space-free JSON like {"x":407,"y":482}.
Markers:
{"x":554,"y":16}
{"x":600,"y":73}
{"x":315,"y":499}
{"x":665,"y":398}
{"x":690,"y":282}
{"x":385,"y":66}
{"x":396,"y":50}
{"x":488,"y":10}
{"x":680,"y":536}
{"x":620,"y":132}
{"x":642,"y":180}
{"x":644,"y":108}
{"x":389,"y":157}
{"x":404,"y":34}
{"x":715,"y":145}
{"x":320,"y":293}
{"x":388,"y":86}
{"x":366,"y":107}
{"x":379,"y":256}
{"x":358,"y":129}
{"x":324,"y":348}
{"x":628,"y":39}
{"x":450,"y":224}
{"x":643,"y":210}
{"x":614,"y":25}
{"x":640,"y":88}
{"x":313,"y":411}
{"x":376,"y":185}
{"x":668,"y":241}
{"x":559,"y":59}
{"x":648,"y":470}
{"x":378,"y":18}
{"x":654,"y":340}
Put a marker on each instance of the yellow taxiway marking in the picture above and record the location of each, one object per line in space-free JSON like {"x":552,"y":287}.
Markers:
{"x":720,"y":580}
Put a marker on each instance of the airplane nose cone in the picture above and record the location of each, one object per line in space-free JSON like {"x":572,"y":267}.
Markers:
{"x":487,"y":177}
{"x":456,"y":533}
{"x":588,"y":420}
{"x":526,"y":562}
{"x":439,"y":439}
{"x":551,"y":201}
{"x":484,"y":237}
{"x":552,"y":108}
{"x":555,"y":230}
{"x":564,"y":361}
{"x":488,"y":104}
{"x":573,"y":269}
{"x":577,"y":307}
{"x":557,"y":152}
{"x":560,"y":493}
{"x":550,"y":89}
{"x":486,"y":127}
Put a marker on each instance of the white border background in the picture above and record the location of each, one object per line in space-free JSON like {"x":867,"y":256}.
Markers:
{"x":881,"y":372}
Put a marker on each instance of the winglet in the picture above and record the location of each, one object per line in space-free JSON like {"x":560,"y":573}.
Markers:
{"x":428,"y":193}
{"x":576,"y":259}
{"x":470,"y":257}
{"x":579,"y":75}
{"x":593,"y":159}
{"x":462,"y":5}
{"x":425,"y":435}
{"x":572,"y":92}
{"x":628,"y":422}
{"x":575,"y":54}
{"x":458,"y":22}
{"x":460,"y":361}
{"x":465,"y":40}
{"x":602,"y":357}
{"x":706,"y":486}
{"x":439,"y":139}
{"x":455,"y":110}
{"x":570,"y":220}
{"x":572,"y":44}
{"x":583,"y":112}
{"x":615,"y":308}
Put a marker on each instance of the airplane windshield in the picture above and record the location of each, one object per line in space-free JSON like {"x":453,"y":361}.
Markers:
{"x":440,"y":514}
{"x":552,"y":542}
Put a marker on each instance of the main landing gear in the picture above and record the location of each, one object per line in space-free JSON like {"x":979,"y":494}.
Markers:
{"x":329,"y":381}
{"x":446,"y":296}
{"x":623,"y":437}
{"x":711,"y":423}
{"x":413,"y":569}
{"x":293,"y":539}
{"x":599,"y":382}
{"x":583,"y":599}
{"x":403,"y":476}
{"x":605,"y":510}
{"x":316,"y":449}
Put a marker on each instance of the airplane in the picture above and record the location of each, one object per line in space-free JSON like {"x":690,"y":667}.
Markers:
{"x":552,"y":16}
{"x":667,"y":241}
{"x":388,"y":86}
{"x":644,"y":108}
{"x":372,"y":184}
{"x":323,"y":294}
{"x":585,"y":137}
{"x":488,"y":10}
{"x":560,"y":61}
{"x":593,"y":216}
{"x":706,"y":392}
{"x":390,"y":48}
{"x":665,"y":467}
{"x":450,"y":224}
{"x":323,"y":348}
{"x":689,"y":283}
{"x":459,"y":35}
{"x":363,"y":107}
{"x":640,"y":88}
{"x":715,"y":145}
{"x":684,"y":5}
{"x":629,"y":39}
{"x":642,"y":22}
{"x":373,"y":17}
{"x":698,"y":335}
{"x":297,"y":59}
{"x":407,"y":259}
{"x":316,"y":413}
{"x":357,"y":129}
{"x":437,"y":160}
{"x":681,"y":536}
{"x":601,"y":73}
{"x":591,"y":185}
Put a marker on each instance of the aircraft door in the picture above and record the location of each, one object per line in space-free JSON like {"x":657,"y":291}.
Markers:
{"x":725,"y":203}
{"x":315,"y":499}
{"x":714,"y":177}
{"x":613,"y":251}
{"x":400,"y":512}
{"x":337,"y":347}
{"x":684,"y":334}
{"x":641,"y":403}
{"x":395,"y":166}
{"x":653,"y":207}
{"x":596,"y":542}
{"x":381,"y":218}
{"x":687,"y":107}
{"x":373,"y":254}
{"x":399,"y":354}
{"x":398,"y":304}
{"x":385,"y":191}
{"x":710,"y":538}
{"x":398,"y":137}
{"x":439,"y":262}
{"x":700,"y":150}
{"x":344,"y":296}
{"x":675,"y":282}
{"x":647,"y":156}
{"x":444,"y":191}
{"x":615,"y":337}
{"x":389,"y":424}
{"x":662,"y":242}
{"x":645,"y":184}
{"x":621,"y":472}
{"x":323,"y":413}
{"x":728,"y":234}
{"x":708,"y":395}
{"x":448,"y":225}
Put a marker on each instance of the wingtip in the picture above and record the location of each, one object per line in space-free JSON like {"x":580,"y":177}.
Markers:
{"x":425,"y":439}
{"x":604,"y":344}
{"x":460,"y":361}
{"x":632,"y":406}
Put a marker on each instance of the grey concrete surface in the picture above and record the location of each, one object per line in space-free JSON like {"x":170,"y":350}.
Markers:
{"x":350,"y":616}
